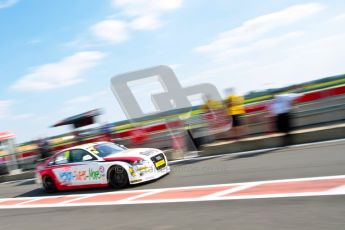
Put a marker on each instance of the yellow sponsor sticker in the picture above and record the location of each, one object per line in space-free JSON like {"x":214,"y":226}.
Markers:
{"x":160,"y":163}
{"x":143,"y":168}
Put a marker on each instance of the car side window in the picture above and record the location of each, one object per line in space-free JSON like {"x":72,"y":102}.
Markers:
{"x":62,"y":158}
{"x":77,"y":155}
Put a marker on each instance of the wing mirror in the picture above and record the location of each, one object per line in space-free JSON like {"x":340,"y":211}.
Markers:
{"x":87,"y":158}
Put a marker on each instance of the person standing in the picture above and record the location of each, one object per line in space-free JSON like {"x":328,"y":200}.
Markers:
{"x":281,"y":108}
{"x":44,"y":147}
{"x":235,"y":105}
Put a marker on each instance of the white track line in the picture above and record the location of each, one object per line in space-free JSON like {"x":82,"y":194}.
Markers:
{"x":270,"y":196}
{"x":231,"y":190}
{"x":32,"y":200}
{"x":190,"y":187}
{"x":142,"y":195}
{"x":79,"y":198}
{"x":218,"y":196}
{"x":337,"y":190}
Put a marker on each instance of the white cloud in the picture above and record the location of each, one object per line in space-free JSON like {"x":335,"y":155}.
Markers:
{"x":133,"y":14}
{"x":256,"y":28}
{"x":257,"y":46}
{"x":23,"y":116}
{"x":275,"y":50}
{"x":7,"y":3}
{"x":114,"y":31}
{"x":78,"y":100}
{"x":146,"y":14}
{"x":338,"y":18}
{"x":85,"y":99}
{"x":307,"y":59}
{"x":5,"y":108}
{"x":34,"y":41}
{"x":146,"y":7}
{"x":148,"y":22}
{"x":66,"y":72}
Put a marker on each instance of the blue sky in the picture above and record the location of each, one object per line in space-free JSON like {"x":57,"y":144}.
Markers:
{"x":57,"y":57}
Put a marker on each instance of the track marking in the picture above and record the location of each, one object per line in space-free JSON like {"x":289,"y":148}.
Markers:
{"x":185,"y":194}
{"x":13,"y":201}
{"x":107,"y":197}
{"x":290,"y":187}
{"x":142,"y":195}
{"x":337,"y":190}
{"x":298,"y":187}
{"x":51,"y":200}
{"x":78,"y":198}
{"x":231,"y":190}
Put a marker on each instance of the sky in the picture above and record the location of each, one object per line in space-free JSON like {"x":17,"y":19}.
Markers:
{"x":57,"y":57}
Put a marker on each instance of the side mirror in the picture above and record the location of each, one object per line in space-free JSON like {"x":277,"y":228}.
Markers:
{"x":87,"y":158}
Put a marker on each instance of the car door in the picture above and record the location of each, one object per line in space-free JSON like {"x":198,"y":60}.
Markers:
{"x":78,"y":167}
{"x":62,"y":168}
{"x":86,"y":168}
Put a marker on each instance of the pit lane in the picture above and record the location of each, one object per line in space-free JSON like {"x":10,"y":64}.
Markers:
{"x":303,"y":213}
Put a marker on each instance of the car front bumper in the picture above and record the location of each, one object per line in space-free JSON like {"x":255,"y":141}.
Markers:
{"x":148,"y":176}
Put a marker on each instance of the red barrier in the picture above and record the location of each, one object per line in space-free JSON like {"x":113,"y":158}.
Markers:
{"x":307,"y":97}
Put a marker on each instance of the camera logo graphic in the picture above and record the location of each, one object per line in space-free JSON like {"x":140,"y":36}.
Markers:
{"x":173,"y":97}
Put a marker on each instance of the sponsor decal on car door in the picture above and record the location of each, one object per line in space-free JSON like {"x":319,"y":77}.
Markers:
{"x":81,"y":174}
{"x":74,"y":171}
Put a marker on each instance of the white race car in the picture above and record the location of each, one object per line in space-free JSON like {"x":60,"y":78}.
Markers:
{"x":101,"y":164}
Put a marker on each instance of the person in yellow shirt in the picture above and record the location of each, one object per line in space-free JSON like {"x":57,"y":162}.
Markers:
{"x":235,"y":108}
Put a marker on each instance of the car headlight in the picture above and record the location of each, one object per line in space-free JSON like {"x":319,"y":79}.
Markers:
{"x":140,"y":163}
{"x":141,"y":167}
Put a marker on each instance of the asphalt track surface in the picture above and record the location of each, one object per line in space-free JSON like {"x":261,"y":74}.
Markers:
{"x":317,"y":212}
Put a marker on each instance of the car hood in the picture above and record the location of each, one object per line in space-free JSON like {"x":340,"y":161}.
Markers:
{"x":132,"y":154}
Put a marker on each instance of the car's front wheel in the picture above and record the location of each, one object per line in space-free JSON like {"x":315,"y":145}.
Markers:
{"x":49,"y":184}
{"x":118,"y":177}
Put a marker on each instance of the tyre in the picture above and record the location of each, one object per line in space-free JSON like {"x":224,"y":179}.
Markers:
{"x":118,"y":177}
{"x":49,"y":184}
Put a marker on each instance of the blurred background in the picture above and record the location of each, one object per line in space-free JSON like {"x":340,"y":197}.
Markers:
{"x":278,"y":67}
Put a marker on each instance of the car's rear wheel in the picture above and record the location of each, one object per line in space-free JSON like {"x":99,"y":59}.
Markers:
{"x":118,"y":177}
{"x":49,"y":184}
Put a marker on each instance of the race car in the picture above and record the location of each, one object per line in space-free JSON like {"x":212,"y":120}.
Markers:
{"x":101,"y":164}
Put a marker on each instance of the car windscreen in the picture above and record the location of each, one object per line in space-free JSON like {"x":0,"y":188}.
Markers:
{"x":106,"y":149}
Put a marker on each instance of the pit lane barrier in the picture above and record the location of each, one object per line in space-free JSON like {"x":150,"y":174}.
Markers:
{"x":302,"y":136}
